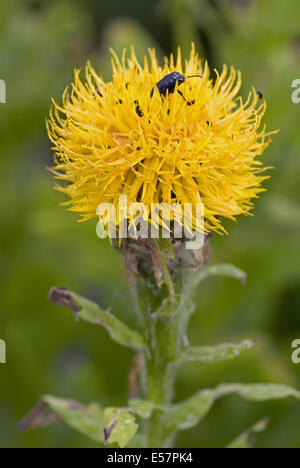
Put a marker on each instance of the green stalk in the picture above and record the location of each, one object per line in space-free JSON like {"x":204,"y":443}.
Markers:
{"x":160,"y":374}
{"x":164,"y":322}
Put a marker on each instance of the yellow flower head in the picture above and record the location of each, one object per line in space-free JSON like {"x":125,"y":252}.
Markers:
{"x":198,"y":142}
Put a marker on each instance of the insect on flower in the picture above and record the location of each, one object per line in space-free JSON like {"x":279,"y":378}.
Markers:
{"x":168,"y":83}
{"x":259,"y":94}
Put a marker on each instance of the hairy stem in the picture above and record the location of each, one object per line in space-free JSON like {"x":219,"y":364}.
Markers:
{"x":164,"y":323}
{"x":160,"y":374}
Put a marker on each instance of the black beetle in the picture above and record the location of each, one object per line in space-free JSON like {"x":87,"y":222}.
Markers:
{"x":168,"y":83}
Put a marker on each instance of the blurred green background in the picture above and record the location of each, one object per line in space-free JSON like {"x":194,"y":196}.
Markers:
{"x":42,"y":245}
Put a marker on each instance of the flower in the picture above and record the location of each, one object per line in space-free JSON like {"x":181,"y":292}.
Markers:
{"x":123,"y":137}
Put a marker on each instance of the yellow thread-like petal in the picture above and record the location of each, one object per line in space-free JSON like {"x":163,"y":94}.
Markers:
{"x":119,"y":138}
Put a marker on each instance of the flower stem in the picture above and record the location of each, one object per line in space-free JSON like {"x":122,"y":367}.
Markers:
{"x":164,"y":323}
{"x":160,"y":374}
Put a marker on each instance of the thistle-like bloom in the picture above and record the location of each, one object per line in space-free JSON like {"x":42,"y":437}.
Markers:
{"x":123,"y":137}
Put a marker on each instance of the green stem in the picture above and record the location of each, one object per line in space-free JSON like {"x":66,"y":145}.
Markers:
{"x":160,"y":374}
{"x":164,"y":325}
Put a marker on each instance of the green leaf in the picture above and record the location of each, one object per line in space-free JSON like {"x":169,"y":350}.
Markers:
{"x":222,"y":269}
{"x":188,"y":413}
{"x":166,"y":247}
{"x":169,"y":307}
{"x":223,"y":352}
{"x":121,"y":333}
{"x":87,"y":420}
{"x":120,"y":426}
{"x":160,"y":266}
{"x":143,"y":408}
{"x":92,"y":313}
{"x":261,"y":392}
{"x":244,"y":439}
